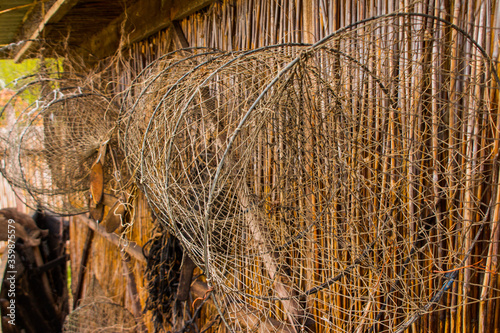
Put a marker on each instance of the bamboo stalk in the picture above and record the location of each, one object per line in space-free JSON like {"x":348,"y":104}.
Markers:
{"x":471,"y":155}
{"x":490,"y":266}
{"x":452,"y":156}
{"x":489,"y":283}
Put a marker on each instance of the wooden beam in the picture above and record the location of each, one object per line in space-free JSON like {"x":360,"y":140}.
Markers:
{"x":55,"y":14}
{"x":166,"y":13}
{"x":139,"y":22}
{"x":61,"y":261}
{"x":178,"y":36}
{"x":187,"y":269}
{"x":77,"y":295}
{"x":133,"y":25}
{"x":45,"y":280}
{"x":133,"y":249}
{"x":181,"y":8}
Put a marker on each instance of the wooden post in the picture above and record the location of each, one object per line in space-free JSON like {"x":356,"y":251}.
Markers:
{"x":83,"y":263}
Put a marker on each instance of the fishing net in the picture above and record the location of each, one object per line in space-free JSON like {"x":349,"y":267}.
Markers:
{"x":235,"y":78}
{"x":22,"y":98}
{"x":340,"y":187}
{"x":98,"y":313}
{"x":145,"y":95}
{"x":54,"y":142}
{"x":29,"y":94}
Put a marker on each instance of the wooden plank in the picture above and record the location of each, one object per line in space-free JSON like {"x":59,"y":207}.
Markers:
{"x":55,"y":14}
{"x":132,"y":248}
{"x":133,"y":293}
{"x":141,"y":21}
{"x":187,"y":269}
{"x":181,"y":8}
{"x":178,"y":36}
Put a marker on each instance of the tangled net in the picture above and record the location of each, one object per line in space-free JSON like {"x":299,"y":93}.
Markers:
{"x":341,"y":186}
{"x":162,"y":273}
{"x":100,"y":316}
{"x":97,"y":313}
{"x":54,"y":142}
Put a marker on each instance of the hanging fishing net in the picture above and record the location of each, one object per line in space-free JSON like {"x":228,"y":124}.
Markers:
{"x":145,"y":96}
{"x":54,"y":142}
{"x":338,"y":187}
{"x":100,"y":316}
{"x":235,"y":73}
{"x":97,"y":313}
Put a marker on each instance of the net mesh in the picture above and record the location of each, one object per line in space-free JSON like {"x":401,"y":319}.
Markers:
{"x":49,"y":150}
{"x":100,"y":316}
{"x":341,"y":187}
{"x":97,"y":313}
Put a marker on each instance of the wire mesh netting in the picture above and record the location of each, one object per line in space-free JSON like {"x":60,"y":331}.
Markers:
{"x":163,"y":109}
{"x":97,"y":313}
{"x":338,"y":188}
{"x":49,"y":150}
{"x":151,"y":86}
{"x":29,"y":93}
{"x":100,"y":316}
